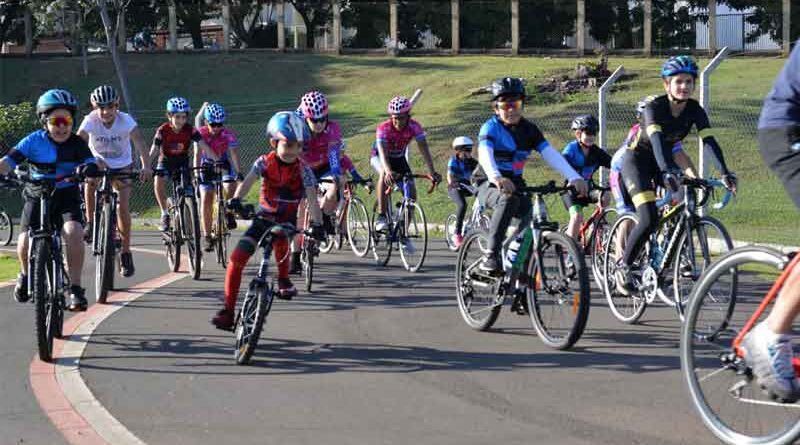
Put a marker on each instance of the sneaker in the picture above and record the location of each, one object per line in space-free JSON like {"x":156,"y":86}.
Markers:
{"x":164,"y":222}
{"x":381,"y":224}
{"x":87,"y":233}
{"x":286,"y":289}
{"x":296,"y":267}
{"x":457,"y":240}
{"x":624,"y":280}
{"x":21,"y":288}
{"x":208,"y":243}
{"x":126,"y":264}
{"x":770,"y":357}
{"x":408,"y":246}
{"x":230,"y":219}
{"x":491,"y":264}
{"x":77,"y":300}
{"x":223,"y":320}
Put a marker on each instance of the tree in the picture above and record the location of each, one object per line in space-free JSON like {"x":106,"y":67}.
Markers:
{"x":244,"y":17}
{"x":315,"y":14}
{"x":9,"y":11}
{"x":370,"y":19}
{"x":415,"y":18}
{"x":768,"y":18}
{"x":545,"y":23}
{"x":191,"y":14}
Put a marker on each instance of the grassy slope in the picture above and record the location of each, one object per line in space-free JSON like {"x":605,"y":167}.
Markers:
{"x":254,"y":85}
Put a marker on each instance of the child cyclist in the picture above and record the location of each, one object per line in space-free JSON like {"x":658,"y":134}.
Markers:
{"x":210,"y":121}
{"x":172,"y":141}
{"x":459,"y":172}
{"x":285,"y":181}
{"x":585,"y":157}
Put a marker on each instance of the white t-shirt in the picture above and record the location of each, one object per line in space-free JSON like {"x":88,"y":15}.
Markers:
{"x":112,"y":145}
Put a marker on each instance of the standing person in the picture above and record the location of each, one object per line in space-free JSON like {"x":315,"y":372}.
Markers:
{"x":109,"y":133}
{"x":459,"y":171}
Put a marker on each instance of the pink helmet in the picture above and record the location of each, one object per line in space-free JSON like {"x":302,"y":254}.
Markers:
{"x":314,"y":105}
{"x":399,"y":105}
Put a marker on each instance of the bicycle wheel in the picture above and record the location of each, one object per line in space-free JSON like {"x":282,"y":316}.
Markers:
{"x":557,"y":289}
{"x":359,"y":232}
{"x":721,"y":385}
{"x":6,"y":229}
{"x":625,"y":308}
{"x":104,"y":261}
{"x":449,"y":231}
{"x":710,"y":240}
{"x":250,"y":321}
{"x":221,"y":234}
{"x":43,"y":291}
{"x":173,"y":242}
{"x":476,"y":291}
{"x":307,"y":259}
{"x":484,"y":224}
{"x":597,"y":244}
{"x":191,"y":233}
{"x":381,"y":243}
{"x":413,"y":237}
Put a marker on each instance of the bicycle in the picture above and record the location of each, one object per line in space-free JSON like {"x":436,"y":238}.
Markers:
{"x":547,"y":280}
{"x":257,"y":302}
{"x":309,"y":250}
{"x":682,"y":247}
{"x":6,"y":224}
{"x":721,"y":384}
{"x":104,"y":230}
{"x":352,"y":221}
{"x":219,"y":225}
{"x":477,"y":220}
{"x":406,"y":224}
{"x":182,"y":208}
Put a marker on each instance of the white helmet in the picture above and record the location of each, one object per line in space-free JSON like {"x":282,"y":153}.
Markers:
{"x":463,"y":143}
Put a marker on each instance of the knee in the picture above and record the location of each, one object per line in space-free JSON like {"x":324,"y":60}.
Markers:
{"x":242,"y":253}
{"x":648,"y":216}
{"x":73,"y":233}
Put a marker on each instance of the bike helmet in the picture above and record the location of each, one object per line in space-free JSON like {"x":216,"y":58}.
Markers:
{"x":508,"y":86}
{"x":642,"y":104}
{"x":463,"y":143}
{"x":314,"y":105}
{"x":287,"y":126}
{"x":399,"y":105}
{"x":214,"y":114}
{"x":104,"y":95}
{"x":586,"y":122}
{"x":677,"y":65}
{"x":178,"y":105}
{"x":54,"y":99}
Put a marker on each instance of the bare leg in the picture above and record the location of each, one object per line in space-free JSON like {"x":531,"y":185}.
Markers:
{"x":574,"y":226}
{"x":89,"y":198}
{"x":206,"y":205}
{"x":73,"y":238}
{"x":124,"y":215}
{"x":787,"y":306}
{"x":22,"y":252}
{"x":161,"y":194}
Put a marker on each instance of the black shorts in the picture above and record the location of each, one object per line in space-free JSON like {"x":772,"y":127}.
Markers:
{"x":775,"y":145}
{"x":260,"y":225}
{"x":65,"y":205}
{"x":641,"y":175}
{"x":571,"y":198}
{"x":399,"y":165}
{"x":172,"y":165}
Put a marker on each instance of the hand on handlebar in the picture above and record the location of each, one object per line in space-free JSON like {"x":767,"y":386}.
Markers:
{"x":317,"y":232}
{"x":504,"y":184}
{"x":581,"y":187}
{"x":388,"y":178}
{"x":730,"y":182}
{"x":671,"y":181}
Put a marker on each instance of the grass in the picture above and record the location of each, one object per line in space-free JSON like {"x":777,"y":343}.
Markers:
{"x":9,"y":267}
{"x":252,"y":86}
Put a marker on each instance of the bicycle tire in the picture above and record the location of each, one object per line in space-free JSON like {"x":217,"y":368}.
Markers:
{"x":697,"y":335}
{"x":172,"y":241}
{"x":6,"y":229}
{"x":307,"y":259}
{"x":381,"y":241}
{"x":597,"y":245}
{"x":627,"y":309}
{"x":221,"y":232}
{"x":469,"y":280}
{"x":42,"y":293}
{"x":449,"y":231}
{"x":104,"y":261}
{"x":358,"y":220}
{"x":572,"y":283}
{"x":414,"y":228}
{"x":191,"y":233}
{"x":250,"y":321}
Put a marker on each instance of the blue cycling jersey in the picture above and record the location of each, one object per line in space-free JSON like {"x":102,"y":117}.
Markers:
{"x":461,"y":169}
{"x":586,"y":165}
{"x":782,"y":105}
{"x":48,"y":159}
{"x":510,"y":145}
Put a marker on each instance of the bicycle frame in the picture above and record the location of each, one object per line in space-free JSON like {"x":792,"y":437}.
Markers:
{"x":45,"y":230}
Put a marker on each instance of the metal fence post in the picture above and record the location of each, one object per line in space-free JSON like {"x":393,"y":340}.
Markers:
{"x":454,"y":26}
{"x":337,"y":27}
{"x":787,"y":27}
{"x":281,"y":26}
{"x":173,"y":28}
{"x":705,"y":96}
{"x":602,"y":112}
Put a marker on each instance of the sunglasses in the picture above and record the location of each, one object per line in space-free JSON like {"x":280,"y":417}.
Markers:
{"x":57,"y":121}
{"x":399,"y":116}
{"x":318,"y":120}
{"x":512,"y":105}
{"x":215,"y":125}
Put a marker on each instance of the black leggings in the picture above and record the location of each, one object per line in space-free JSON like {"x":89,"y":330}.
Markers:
{"x":648,"y":223}
{"x":459,"y":197}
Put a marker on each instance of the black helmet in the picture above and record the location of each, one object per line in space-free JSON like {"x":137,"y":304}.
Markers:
{"x":586,"y":122}
{"x":508,"y":86}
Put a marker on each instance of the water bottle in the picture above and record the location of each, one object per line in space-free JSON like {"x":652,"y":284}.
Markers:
{"x":656,"y":255}
{"x":511,"y":253}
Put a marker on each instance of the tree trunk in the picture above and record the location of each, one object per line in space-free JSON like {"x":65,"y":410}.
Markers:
{"x":191,"y":21}
{"x":111,"y":40}
{"x":309,"y":29}
{"x":624,"y":25}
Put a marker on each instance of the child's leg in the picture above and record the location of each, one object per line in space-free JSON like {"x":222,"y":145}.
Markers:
{"x":459,"y":198}
{"x":238,"y":260}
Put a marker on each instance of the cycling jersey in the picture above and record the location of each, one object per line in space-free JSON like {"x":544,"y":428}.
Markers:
{"x":782,"y":104}
{"x":461,"y":169}
{"x":111,"y":145}
{"x":396,"y":141}
{"x":586,"y":165}
{"x":219,"y":143}
{"x":282,"y":186}
{"x":619,"y":155}
{"x":175,"y":143}
{"x":322,"y":151}
{"x":49,"y":159}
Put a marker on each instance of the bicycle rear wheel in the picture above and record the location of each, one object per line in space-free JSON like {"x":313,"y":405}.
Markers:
{"x":597,"y":244}
{"x":104,"y":261}
{"x":190,"y":223}
{"x":625,"y":308}
{"x":43,"y":291}
{"x":476,"y":292}
{"x":557,"y":289}
{"x":6,"y":229}
{"x":722,"y":387}
{"x":381,"y":241}
{"x":359,"y":232}
{"x":413,"y":244}
{"x":449,"y":231}
{"x":250,"y":321}
{"x":173,"y":241}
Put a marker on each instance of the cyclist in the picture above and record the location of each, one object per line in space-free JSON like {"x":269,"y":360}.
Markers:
{"x":390,"y":152}
{"x":53,"y":153}
{"x":285,"y":180}
{"x":172,"y":141}
{"x":586,"y":158}
{"x":666,"y":120}
{"x":506,"y":141}
{"x":459,"y":171}
{"x":210,"y":121}
{"x":109,"y":133}
{"x":768,"y":347}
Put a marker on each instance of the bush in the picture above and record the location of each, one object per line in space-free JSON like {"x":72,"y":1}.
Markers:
{"x":16,"y":121}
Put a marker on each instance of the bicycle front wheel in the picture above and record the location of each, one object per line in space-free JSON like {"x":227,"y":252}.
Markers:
{"x":381,"y":241}
{"x":359,"y":232}
{"x":721,"y":385}
{"x":625,"y":308}
{"x":307,"y":259}
{"x":449,"y":231}
{"x":6,"y":229}
{"x":221,"y":232}
{"x":190,"y":223}
{"x":250,"y":321}
{"x":413,"y":237}
{"x":43,"y":293}
{"x":104,"y":261}
{"x":173,"y":242}
{"x":476,"y":291}
{"x":557,"y":289}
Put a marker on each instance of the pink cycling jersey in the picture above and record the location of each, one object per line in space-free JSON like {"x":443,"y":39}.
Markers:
{"x":220,"y":142}
{"x":321,"y":152}
{"x":396,"y":141}
{"x":346,"y":163}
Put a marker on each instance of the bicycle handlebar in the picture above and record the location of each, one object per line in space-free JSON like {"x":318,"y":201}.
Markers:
{"x":706,"y":185}
{"x":406,"y":176}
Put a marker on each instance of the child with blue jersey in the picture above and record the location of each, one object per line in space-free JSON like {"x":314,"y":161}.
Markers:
{"x":459,"y":172}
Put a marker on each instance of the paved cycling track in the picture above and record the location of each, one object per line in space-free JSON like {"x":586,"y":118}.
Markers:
{"x":373,"y":356}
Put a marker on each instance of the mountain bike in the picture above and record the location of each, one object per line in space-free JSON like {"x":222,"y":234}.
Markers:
{"x":185,"y":228}
{"x":477,"y":219}
{"x":547,"y":280}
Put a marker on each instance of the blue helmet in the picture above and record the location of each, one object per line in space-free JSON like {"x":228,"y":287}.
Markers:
{"x":178,"y":105}
{"x":677,"y":65}
{"x":54,"y":99}
{"x":214,"y":114}
{"x":287,"y":126}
